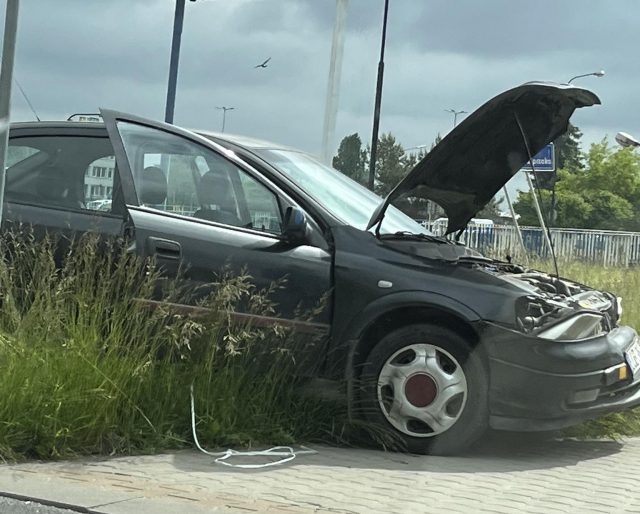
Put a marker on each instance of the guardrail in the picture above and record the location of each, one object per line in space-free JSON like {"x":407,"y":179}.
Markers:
{"x":605,"y":247}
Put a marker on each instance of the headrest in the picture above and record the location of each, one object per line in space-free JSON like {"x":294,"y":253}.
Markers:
{"x":215,"y":190}
{"x":207,"y":188}
{"x":153,"y":188}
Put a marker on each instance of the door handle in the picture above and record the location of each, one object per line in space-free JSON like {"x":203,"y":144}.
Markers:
{"x":164,"y":248}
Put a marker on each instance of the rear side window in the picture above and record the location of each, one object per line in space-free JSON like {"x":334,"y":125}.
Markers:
{"x":17,"y":153}
{"x":66,"y":172}
{"x":99,"y":180}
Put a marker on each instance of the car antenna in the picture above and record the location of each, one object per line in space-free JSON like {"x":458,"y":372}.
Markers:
{"x":533,"y":169}
{"x":26,"y":98}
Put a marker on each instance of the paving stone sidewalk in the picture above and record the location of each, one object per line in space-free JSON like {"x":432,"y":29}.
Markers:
{"x":507,"y":474}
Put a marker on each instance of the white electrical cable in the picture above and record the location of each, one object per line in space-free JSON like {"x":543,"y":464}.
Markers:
{"x":286,"y":452}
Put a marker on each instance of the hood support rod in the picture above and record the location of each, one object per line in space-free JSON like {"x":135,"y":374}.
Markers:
{"x":536,"y":204}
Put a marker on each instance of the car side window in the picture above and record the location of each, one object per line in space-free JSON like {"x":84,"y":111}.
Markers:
{"x":98,"y":183}
{"x":262,"y":205}
{"x":63,"y":172}
{"x":177,"y":175}
{"x":19,"y":152}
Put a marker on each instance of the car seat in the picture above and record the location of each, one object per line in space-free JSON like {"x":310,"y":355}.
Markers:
{"x":217,"y":199}
{"x":153,"y":186}
{"x":52,"y":189}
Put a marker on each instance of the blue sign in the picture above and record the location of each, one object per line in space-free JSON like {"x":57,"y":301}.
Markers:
{"x":544,"y":160}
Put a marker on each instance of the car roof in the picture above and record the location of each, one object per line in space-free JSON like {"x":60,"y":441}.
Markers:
{"x":56,"y":124}
{"x":250,"y":143}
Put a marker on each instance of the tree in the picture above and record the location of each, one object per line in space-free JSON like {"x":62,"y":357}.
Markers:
{"x":604,"y":195}
{"x":567,"y":148}
{"x":436,"y":141}
{"x":412,"y":159}
{"x":390,"y":164}
{"x":351,"y":159}
{"x":491,"y":211}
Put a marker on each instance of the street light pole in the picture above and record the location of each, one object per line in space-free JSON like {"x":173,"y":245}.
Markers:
{"x":173,"y":62}
{"x":333,"y":85}
{"x":595,"y":74}
{"x":376,"y":111}
{"x":224,"y":114}
{"x":6,"y":79}
{"x":455,"y":115}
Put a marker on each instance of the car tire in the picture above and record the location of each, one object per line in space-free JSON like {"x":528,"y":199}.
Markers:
{"x":423,"y":389}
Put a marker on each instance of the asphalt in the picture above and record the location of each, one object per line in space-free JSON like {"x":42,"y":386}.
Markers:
{"x":506,"y":474}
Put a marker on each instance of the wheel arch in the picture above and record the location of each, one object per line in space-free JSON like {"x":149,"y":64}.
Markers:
{"x":400,"y":309}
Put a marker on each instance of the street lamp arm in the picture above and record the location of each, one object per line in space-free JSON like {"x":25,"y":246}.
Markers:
{"x":595,"y":74}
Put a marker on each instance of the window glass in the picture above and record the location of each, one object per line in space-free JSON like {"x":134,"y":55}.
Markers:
{"x":176,"y":175}
{"x":66,"y":172}
{"x":98,"y":184}
{"x":17,"y":153}
{"x":262,"y":205}
{"x":343,"y":197}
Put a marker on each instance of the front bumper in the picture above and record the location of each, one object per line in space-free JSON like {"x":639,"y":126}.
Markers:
{"x":539,"y":384}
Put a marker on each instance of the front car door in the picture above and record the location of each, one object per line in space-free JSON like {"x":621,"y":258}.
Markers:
{"x":199,"y":208}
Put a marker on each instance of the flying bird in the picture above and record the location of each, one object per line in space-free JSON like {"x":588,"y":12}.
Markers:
{"x":263,"y":65}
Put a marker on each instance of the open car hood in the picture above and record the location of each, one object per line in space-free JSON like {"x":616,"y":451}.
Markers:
{"x":479,"y":156}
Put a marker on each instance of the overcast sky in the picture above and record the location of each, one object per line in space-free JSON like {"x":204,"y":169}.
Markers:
{"x":78,"y":55}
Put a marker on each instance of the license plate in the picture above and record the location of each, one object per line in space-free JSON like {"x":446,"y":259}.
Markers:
{"x":633,"y":358}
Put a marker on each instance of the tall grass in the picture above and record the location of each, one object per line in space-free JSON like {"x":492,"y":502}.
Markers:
{"x":86,"y":367}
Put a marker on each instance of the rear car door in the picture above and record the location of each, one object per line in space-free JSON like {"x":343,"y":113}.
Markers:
{"x":62,"y":179}
{"x":199,"y":208}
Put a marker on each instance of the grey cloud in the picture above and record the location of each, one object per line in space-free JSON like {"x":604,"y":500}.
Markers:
{"x":79,"y":54}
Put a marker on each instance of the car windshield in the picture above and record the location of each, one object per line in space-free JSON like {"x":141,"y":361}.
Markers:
{"x":343,"y":197}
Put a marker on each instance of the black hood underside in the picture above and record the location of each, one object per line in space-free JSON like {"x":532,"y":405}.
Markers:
{"x":479,"y":156}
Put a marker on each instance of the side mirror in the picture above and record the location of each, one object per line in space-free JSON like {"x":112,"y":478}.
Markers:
{"x":294,"y":225}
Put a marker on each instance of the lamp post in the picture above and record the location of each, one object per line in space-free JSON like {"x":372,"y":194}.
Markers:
{"x":333,"y":85}
{"x":376,"y":110}
{"x":6,"y":78}
{"x":173,"y":62}
{"x":455,"y":115}
{"x":626,"y":140}
{"x":224,"y":114}
{"x":595,"y":74}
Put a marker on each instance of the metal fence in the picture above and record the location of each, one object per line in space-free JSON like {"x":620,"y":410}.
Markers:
{"x":604,"y":247}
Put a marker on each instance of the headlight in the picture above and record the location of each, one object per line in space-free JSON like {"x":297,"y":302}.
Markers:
{"x":554,"y":320}
{"x":580,"y":326}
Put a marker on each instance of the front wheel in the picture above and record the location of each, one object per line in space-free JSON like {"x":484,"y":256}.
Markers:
{"x":427,"y":389}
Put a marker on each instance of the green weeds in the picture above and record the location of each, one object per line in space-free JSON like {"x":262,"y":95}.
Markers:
{"x":86,"y":366}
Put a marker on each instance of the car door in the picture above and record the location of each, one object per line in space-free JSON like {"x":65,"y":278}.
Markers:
{"x":62,"y":180}
{"x":199,"y":208}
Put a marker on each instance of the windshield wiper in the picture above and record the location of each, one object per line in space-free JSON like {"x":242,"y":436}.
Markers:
{"x":476,"y":258}
{"x":417,"y":237}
